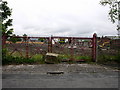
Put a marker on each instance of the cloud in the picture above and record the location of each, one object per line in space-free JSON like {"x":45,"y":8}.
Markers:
{"x":61,"y":18}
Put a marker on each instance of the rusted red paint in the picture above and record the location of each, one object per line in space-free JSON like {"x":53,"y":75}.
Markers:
{"x":27,"y":47}
{"x":50,"y":44}
{"x":71,"y":41}
{"x":94,"y":48}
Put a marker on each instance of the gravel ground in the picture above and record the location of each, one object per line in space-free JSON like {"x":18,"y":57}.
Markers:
{"x":75,"y":76}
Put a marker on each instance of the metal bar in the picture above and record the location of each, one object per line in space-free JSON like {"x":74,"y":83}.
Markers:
{"x":26,"y":38}
{"x":71,"y":49}
{"x":94,"y":48}
{"x":50,"y":44}
{"x":12,"y":51}
{"x":38,"y":48}
{"x":73,"y":37}
{"x":54,"y":37}
{"x":16,"y":50}
{"x":19,"y":53}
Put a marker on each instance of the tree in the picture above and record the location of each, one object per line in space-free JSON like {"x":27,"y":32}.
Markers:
{"x":14,"y":39}
{"x":5,"y":13}
{"x":114,"y":12}
{"x":41,"y":39}
{"x":5,"y":22}
{"x":24,"y":37}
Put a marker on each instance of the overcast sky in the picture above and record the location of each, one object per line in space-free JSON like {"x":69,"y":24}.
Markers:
{"x":60,"y":18}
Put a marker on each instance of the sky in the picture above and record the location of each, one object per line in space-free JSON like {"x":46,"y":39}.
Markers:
{"x":61,"y":18}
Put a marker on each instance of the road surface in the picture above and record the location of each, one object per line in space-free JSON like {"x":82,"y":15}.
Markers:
{"x":74,"y":76}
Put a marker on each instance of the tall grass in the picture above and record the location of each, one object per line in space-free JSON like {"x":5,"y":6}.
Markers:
{"x":75,"y":58}
{"x":105,"y":58}
{"x":17,"y":59}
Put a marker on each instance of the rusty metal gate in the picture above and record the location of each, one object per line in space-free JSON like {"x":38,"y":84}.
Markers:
{"x":70,"y":48}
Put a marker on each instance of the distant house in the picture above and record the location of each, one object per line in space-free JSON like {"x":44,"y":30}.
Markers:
{"x":112,"y":37}
{"x":34,"y":40}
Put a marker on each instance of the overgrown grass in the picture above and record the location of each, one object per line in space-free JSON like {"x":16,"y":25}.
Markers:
{"x":22,"y":60}
{"x":17,"y":54}
{"x":17,"y":59}
{"x":74,"y":58}
{"x":86,"y":58}
{"x":39,"y":58}
{"x":103,"y":58}
{"x":109,"y":60}
{"x":64,"y":57}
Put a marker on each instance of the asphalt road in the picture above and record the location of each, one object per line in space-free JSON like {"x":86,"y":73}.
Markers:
{"x":74,"y":76}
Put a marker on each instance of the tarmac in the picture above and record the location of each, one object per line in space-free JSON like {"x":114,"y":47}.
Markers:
{"x":50,"y":76}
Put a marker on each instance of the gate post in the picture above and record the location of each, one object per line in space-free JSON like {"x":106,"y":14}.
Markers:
{"x":50,"y":44}
{"x":71,"y":49}
{"x":94,"y":47}
{"x":26,"y":39}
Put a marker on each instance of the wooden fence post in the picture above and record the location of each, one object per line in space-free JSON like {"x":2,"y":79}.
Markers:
{"x":94,"y":48}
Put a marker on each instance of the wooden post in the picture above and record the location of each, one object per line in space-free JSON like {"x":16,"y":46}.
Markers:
{"x":94,"y":48}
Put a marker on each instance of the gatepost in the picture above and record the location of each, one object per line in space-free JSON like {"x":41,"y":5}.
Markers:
{"x":94,"y":48}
